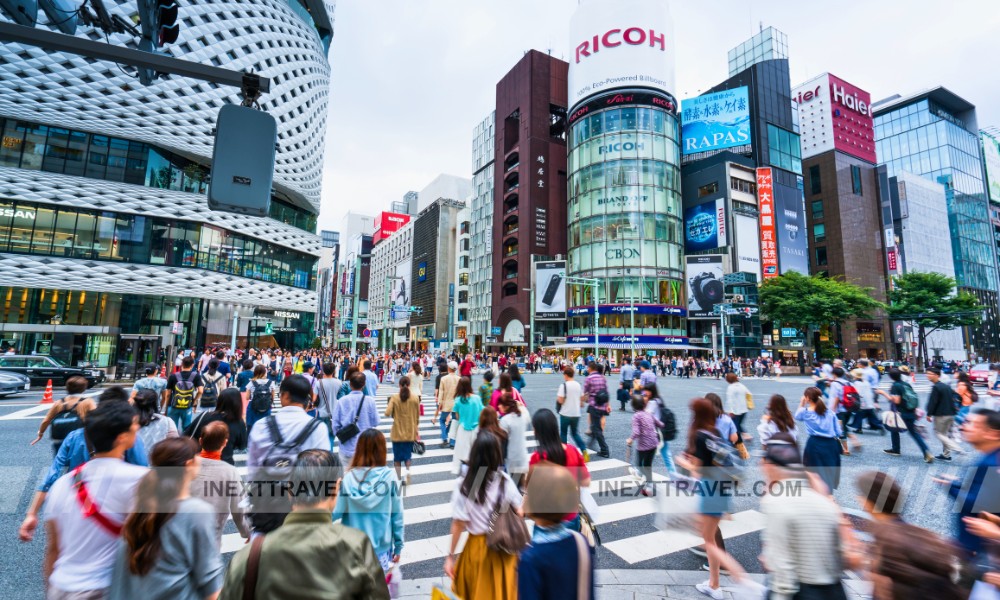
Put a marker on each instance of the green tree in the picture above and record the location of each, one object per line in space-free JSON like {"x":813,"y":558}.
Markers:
{"x":808,"y":301}
{"x":930,"y":302}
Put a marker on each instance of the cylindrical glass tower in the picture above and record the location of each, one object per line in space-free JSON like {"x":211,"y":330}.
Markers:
{"x":625,"y":212}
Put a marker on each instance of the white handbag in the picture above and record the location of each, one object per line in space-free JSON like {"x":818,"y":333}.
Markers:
{"x":893,"y":421}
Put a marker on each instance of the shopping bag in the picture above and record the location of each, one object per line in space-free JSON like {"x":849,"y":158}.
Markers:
{"x":394,"y":580}
{"x":453,"y":429}
{"x":678,"y":506}
{"x":439,"y":593}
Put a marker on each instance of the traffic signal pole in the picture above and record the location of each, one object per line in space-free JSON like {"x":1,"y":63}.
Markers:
{"x":161,"y":63}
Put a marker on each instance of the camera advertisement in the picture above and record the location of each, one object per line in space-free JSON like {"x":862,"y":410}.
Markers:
{"x":550,"y":290}
{"x":704,"y":285}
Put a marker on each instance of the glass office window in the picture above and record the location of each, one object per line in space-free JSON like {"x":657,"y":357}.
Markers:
{"x":819,"y":233}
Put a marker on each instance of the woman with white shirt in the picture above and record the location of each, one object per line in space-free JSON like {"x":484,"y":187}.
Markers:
{"x":515,"y":420}
{"x":777,"y":420}
{"x":736,"y":404}
{"x":479,"y":572}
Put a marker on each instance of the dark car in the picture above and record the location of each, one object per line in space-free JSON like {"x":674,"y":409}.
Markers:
{"x":13,"y":383}
{"x":41,"y":368}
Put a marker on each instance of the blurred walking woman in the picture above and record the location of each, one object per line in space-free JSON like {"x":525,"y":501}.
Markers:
{"x":468,"y":405}
{"x":777,"y":420}
{"x":404,"y":408}
{"x":164,"y":552}
{"x":822,"y":453}
{"x":480,"y":572}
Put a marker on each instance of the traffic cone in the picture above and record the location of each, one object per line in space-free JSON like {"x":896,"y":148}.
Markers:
{"x":47,"y":396}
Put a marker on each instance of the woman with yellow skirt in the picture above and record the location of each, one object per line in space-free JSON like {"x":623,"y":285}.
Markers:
{"x":480,"y":572}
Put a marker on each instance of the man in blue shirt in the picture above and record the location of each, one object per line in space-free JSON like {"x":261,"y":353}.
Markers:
{"x":371,"y":379}
{"x":980,"y":490}
{"x":72,"y":453}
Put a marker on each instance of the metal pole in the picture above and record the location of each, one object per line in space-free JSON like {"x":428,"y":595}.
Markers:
{"x":236,"y":327}
{"x":383,"y":330}
{"x":531,"y":320}
{"x":597,"y":292}
{"x":354,"y":309}
{"x":723,"y":318}
{"x":631,"y":337}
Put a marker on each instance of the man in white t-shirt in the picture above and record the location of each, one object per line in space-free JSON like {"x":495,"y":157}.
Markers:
{"x":570,"y":400}
{"x":81,"y":546}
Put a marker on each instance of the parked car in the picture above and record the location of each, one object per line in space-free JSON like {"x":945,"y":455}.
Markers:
{"x":41,"y":368}
{"x":99,"y":375}
{"x":980,"y":373}
{"x":885,"y":365}
{"x":13,"y":383}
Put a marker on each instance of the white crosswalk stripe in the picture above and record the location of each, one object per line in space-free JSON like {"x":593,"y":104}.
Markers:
{"x":427,"y":508}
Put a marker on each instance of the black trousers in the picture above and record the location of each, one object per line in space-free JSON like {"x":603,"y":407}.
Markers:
{"x":597,"y":433}
{"x":807,"y":591}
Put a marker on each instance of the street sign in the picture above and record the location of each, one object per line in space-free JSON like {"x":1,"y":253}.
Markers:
{"x":496,"y":330}
{"x":374,"y":333}
{"x":268,"y":328}
{"x":914,"y":344}
{"x":366,"y":332}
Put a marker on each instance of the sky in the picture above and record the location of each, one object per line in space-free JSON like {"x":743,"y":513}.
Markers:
{"x":412,"y":78}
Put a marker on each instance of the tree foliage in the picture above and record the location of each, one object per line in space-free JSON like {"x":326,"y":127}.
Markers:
{"x":930,"y":301}
{"x":802,"y":301}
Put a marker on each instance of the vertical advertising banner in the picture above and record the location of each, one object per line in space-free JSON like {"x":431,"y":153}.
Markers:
{"x":768,"y":233}
{"x":790,"y":221}
{"x":705,"y":288}
{"x":399,"y":296}
{"x":550,"y":290}
{"x":716,"y":121}
{"x":705,"y":226}
{"x":747,"y":245}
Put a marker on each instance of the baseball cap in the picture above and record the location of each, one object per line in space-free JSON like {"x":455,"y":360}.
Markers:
{"x":452,"y":366}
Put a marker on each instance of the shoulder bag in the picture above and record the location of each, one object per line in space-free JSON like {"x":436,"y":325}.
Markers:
{"x":351,"y":430}
{"x":892,"y":420}
{"x":583,"y":566}
{"x":508,"y":533}
{"x":253,"y":568}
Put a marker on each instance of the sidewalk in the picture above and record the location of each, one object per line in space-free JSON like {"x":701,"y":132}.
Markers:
{"x":635,"y":584}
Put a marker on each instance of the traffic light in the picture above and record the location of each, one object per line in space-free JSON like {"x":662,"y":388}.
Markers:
{"x":167,"y":26}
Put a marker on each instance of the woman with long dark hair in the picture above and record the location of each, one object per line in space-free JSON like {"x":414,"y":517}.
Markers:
{"x":168,"y":543}
{"x":822,"y":452}
{"x":552,"y":449}
{"x":227,"y":410}
{"x":370,"y":498}
{"x":777,"y":420}
{"x":703,"y":441}
{"x":515,"y":377}
{"x":490,"y":421}
{"x":514,"y":421}
{"x":467,"y":407}
{"x":480,"y":572}
{"x":505,"y":385}
{"x":404,"y":408}
{"x":153,"y":427}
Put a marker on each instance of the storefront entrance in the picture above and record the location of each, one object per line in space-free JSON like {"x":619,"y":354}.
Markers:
{"x":134,"y":353}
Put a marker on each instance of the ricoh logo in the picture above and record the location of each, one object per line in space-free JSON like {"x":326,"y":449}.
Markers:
{"x":621,"y":147}
{"x":633,"y":36}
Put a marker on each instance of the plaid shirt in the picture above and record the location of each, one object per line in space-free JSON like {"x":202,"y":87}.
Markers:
{"x":594,"y":383}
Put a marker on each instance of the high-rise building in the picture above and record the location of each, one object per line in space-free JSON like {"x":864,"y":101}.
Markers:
{"x":459,"y":336}
{"x":918,"y":243}
{"x":843,"y":204}
{"x":327,"y":284}
{"x":990,"y":138}
{"x":435,"y":238}
{"x":481,"y":254}
{"x":625,"y":229}
{"x":934,"y":134}
{"x":111,"y":254}
{"x":769,"y":44}
{"x":391,"y":282}
{"x":529,"y":208}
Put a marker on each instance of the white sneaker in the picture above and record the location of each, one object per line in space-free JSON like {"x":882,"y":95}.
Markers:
{"x":714,"y":594}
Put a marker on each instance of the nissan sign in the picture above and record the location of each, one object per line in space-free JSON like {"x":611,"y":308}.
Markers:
{"x":620,"y":44}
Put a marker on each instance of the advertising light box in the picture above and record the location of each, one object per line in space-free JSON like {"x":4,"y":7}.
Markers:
{"x":705,"y":226}
{"x":716,"y":121}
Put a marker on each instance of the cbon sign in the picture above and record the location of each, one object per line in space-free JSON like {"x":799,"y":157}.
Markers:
{"x":620,"y":44}
{"x":834,"y":114}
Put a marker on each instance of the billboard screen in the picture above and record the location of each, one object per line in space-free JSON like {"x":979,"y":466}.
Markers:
{"x":790,"y":222}
{"x":550,"y":290}
{"x":626,"y":43}
{"x":399,"y":294}
{"x":716,"y":121}
{"x":704,"y":285}
{"x":991,"y":155}
{"x":387,"y":223}
{"x":768,"y":235}
{"x":705,"y":226}
{"x":747,"y":245}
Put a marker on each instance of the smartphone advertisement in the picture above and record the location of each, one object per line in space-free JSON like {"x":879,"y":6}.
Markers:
{"x":550,"y":290}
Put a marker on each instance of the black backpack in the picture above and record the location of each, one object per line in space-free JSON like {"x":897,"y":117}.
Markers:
{"x":277,"y":464}
{"x":65,"y":422}
{"x":669,"y":429}
{"x":262,"y":397}
{"x":210,"y":395}
{"x":183,"y":396}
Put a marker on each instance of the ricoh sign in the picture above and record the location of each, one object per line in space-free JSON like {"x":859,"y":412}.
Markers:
{"x":620,"y":44}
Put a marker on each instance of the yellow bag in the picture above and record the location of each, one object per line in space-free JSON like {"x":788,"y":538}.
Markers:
{"x":438,"y":593}
{"x":749,"y":401}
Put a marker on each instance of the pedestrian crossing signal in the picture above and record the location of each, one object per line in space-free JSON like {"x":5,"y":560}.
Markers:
{"x":268,"y":328}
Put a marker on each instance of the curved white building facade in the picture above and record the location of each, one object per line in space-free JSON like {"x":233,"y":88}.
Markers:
{"x":108,"y":252}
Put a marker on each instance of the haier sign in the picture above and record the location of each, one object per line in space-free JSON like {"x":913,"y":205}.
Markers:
{"x":716,"y":121}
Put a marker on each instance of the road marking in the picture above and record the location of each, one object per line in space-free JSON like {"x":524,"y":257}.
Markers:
{"x":26,"y":413}
{"x":661,"y":543}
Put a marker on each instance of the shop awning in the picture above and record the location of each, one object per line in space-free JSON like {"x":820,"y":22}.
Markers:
{"x":626,"y":346}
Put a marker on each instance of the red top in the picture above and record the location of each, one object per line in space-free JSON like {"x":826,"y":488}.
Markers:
{"x":465,"y":369}
{"x":574,"y":462}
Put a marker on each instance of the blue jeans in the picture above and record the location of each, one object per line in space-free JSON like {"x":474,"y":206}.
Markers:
{"x":254,"y":416}
{"x":570,"y":424}
{"x":910,"y":420}
{"x":667,"y":459}
{"x":444,"y":428}
{"x":182,"y":417}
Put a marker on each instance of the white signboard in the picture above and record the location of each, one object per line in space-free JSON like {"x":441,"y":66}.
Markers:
{"x":399,"y":295}
{"x":620,"y":44}
{"x":747,"y":245}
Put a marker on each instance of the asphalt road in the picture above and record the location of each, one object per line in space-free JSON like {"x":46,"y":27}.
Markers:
{"x":927,"y":505}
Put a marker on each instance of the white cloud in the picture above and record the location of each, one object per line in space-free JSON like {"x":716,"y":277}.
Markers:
{"x":412,"y":79}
